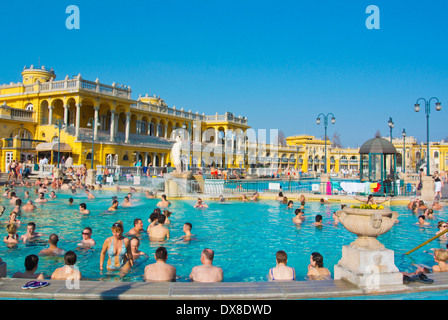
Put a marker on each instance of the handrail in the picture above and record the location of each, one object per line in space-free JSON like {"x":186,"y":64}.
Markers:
{"x":427,"y":241}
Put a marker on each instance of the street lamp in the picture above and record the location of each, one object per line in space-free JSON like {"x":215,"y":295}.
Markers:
{"x":390,"y":123}
{"x":404,"y":151}
{"x":91,"y":124}
{"x":427,"y":112}
{"x":333,"y":120}
{"x":59,"y":124}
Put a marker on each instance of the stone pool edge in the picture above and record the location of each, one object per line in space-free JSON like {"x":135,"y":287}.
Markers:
{"x":297,"y":290}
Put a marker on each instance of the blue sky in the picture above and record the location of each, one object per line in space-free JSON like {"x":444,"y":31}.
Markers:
{"x":280,"y":63}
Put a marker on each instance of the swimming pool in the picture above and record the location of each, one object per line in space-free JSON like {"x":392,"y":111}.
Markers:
{"x":244,"y":236}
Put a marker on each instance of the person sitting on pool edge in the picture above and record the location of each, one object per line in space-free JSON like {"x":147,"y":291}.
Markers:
{"x":281,"y":272}
{"x":316,"y":269}
{"x":31,"y":263}
{"x":160,"y":270}
{"x":206,"y":272}
{"x":68,"y":271}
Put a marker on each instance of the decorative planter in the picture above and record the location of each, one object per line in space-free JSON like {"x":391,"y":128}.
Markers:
{"x":366,"y":262}
{"x":367,"y":224}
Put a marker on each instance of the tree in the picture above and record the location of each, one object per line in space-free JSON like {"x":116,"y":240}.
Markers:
{"x":336,"y":140}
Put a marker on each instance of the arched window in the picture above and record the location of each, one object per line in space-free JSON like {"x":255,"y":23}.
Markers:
{"x":436,"y":154}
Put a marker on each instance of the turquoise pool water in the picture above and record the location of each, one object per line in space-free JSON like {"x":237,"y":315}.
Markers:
{"x":244,"y":236}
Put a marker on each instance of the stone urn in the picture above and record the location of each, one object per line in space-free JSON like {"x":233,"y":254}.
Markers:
{"x":367,"y":224}
{"x":366,"y":262}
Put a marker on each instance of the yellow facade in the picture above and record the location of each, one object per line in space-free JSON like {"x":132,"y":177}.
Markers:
{"x":124,"y":130}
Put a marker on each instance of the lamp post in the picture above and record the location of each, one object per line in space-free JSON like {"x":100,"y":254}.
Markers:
{"x":390,"y":123}
{"x":404,"y":151}
{"x":333,"y":120}
{"x":59,"y":124}
{"x":427,"y":112}
{"x":91,"y":124}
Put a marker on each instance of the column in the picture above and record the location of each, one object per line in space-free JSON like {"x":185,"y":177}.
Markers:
{"x":162,"y":160}
{"x":50,"y":114}
{"x":78,"y":119}
{"x":128,"y":126}
{"x":216,"y":136}
{"x":66,"y":107}
{"x":112,"y":125}
{"x":95,"y":123}
{"x":157,"y":129}
{"x":166,"y":131}
{"x":145,"y":162}
{"x":154,"y":155}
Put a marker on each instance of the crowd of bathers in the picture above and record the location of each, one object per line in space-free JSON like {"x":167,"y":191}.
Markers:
{"x":121,"y":249}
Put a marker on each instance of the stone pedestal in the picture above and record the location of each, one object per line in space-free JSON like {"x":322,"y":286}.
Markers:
{"x":90,"y":177}
{"x":171,"y":188}
{"x":428,"y":186}
{"x":369,"y":269}
{"x":324,"y":179}
{"x":2,"y":269}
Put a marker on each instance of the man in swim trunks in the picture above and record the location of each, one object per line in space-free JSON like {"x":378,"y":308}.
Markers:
{"x":53,"y":250}
{"x":29,"y":206}
{"x":159,"y":231}
{"x":31,"y":263}
{"x":206,"y":272}
{"x":138,"y":227}
{"x":30,"y":233}
{"x":160,"y":270}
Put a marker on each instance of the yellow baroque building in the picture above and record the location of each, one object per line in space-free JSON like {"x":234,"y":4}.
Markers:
{"x":34,"y":112}
{"x":40,"y":111}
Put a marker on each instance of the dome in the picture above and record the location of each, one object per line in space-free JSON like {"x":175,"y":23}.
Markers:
{"x":377,"y":145}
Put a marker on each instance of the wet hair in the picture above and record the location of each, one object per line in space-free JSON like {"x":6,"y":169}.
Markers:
{"x":163,"y":196}
{"x":297,"y":211}
{"x":154,"y":216}
{"x":136,"y":220}
{"x":280,"y":194}
{"x":189,"y":225}
{"x":161,"y":253}
{"x":13,"y":194}
{"x":281,"y":256}
{"x":32,"y":224}
{"x":157,"y":210}
{"x":31,"y":262}
{"x":70,"y":200}
{"x":161,"y":218}
{"x":83,"y":205}
{"x":290,"y":202}
{"x":317,"y":257}
{"x":70,"y":258}
{"x":167,"y":213}
{"x":422,"y":216}
{"x":53,"y":239}
{"x":318,"y":218}
{"x":430,"y":211}
{"x":18,"y":202}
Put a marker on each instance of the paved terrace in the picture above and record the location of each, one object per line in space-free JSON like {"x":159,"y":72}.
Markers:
{"x":102,"y":290}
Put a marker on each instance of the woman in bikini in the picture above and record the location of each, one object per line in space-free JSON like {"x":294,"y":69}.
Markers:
{"x":118,"y":248}
{"x":281,"y":272}
{"x":12,"y":237}
{"x":316,"y":270}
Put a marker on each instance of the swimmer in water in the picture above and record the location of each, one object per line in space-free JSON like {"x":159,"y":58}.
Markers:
{"x":87,"y":240}
{"x":31,"y":233}
{"x":114,"y":206}
{"x":200,"y":204}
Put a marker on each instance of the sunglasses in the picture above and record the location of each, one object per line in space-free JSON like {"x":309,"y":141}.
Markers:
{"x":116,"y":224}
{"x":86,"y":233}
